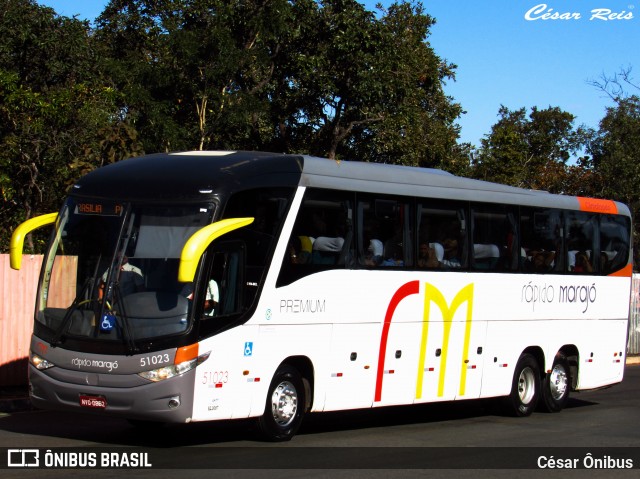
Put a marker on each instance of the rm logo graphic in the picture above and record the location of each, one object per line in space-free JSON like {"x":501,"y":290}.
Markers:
{"x":433,"y":294}
{"x":448,"y":311}
{"x":23,"y":458}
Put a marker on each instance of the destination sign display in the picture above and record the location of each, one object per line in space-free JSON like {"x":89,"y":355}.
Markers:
{"x":100,"y":209}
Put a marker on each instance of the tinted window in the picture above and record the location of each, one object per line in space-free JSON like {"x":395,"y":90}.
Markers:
{"x":442,"y":234}
{"x":322,"y":236}
{"x":541,"y":232}
{"x":495,"y":238}
{"x":385,"y":232}
{"x":614,"y":243}
{"x":580,"y":240}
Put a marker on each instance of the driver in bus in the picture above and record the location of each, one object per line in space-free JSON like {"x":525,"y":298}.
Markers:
{"x":130,"y":279}
{"x":212,"y":296}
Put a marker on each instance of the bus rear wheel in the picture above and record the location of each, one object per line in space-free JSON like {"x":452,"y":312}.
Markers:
{"x":557,"y":385}
{"x":525,"y":387}
{"x":285,"y":405}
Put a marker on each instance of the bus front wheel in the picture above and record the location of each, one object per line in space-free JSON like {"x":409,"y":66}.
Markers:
{"x":525,"y":387}
{"x":285,"y":405}
{"x":557,"y":384}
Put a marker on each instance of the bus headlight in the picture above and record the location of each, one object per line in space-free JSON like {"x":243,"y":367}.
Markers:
{"x":168,"y":372}
{"x":39,"y":362}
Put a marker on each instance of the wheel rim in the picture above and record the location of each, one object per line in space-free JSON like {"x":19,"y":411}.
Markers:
{"x":284,"y":403}
{"x":526,"y":385}
{"x":558,"y":382}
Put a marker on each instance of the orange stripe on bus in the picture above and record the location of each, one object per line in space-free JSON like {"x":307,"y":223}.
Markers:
{"x":594,"y":205}
{"x":625,"y":272}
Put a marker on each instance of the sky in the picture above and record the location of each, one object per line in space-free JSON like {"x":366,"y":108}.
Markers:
{"x":516,"y":53}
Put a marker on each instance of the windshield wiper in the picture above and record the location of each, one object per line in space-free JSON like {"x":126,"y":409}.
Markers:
{"x":127,"y":334}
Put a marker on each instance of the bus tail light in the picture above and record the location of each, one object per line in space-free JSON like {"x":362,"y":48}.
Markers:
{"x":176,"y":369}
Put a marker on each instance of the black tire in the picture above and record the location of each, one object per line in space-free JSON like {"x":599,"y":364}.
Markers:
{"x":284,"y":407}
{"x":557,"y":385}
{"x":525,"y":388}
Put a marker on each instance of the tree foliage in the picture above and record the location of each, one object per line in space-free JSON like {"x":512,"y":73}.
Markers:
{"x":533,"y":151}
{"x":54,"y":106}
{"x":324,"y":77}
{"x":616,"y":157}
{"x":328,"y":78}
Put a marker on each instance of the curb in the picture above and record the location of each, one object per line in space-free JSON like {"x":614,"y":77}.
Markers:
{"x":16,"y":399}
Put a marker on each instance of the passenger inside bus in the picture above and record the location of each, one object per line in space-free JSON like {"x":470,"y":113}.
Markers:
{"x":428,"y":256}
{"x":374,"y":254}
{"x":540,"y":261}
{"x":451,"y":253}
{"x":486,"y":256}
{"x":393,"y":253}
{"x":299,"y":250}
{"x":326,"y":249}
{"x":581,"y":263}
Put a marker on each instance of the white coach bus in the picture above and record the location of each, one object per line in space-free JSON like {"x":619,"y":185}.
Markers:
{"x":207,"y":286}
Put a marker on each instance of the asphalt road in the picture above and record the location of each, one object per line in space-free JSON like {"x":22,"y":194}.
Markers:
{"x":464,"y":439}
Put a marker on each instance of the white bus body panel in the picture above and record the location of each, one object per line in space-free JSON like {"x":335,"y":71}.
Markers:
{"x":337,"y":318}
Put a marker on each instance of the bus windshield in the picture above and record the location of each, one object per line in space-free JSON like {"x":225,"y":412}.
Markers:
{"x":111,"y":271}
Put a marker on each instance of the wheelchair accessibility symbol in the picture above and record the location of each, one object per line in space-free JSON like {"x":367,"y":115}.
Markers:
{"x":248,"y":348}
{"x":108,"y":322}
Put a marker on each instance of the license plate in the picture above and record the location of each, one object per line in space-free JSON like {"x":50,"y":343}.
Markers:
{"x":96,"y":402}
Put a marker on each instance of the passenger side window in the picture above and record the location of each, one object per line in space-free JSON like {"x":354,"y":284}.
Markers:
{"x":322,"y":237}
{"x":541,"y":232}
{"x":614,"y":243}
{"x":385,"y":232}
{"x":580,"y":239}
{"x":268,"y":207}
{"x":495,"y":238}
{"x":442,"y":235}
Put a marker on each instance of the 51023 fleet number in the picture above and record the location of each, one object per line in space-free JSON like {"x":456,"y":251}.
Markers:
{"x":155,"y":360}
{"x":215,"y":377}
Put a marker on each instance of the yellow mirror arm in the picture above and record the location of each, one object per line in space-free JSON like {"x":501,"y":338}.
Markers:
{"x":200,"y":240}
{"x":17,"y":238}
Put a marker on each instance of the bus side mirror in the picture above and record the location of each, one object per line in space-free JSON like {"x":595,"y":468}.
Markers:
{"x":17,"y":238}
{"x":200,"y":240}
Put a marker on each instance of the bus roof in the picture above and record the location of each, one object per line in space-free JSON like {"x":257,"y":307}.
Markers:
{"x":198,"y":174}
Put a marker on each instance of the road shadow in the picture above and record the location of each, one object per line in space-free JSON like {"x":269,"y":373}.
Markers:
{"x":14,"y":373}
{"x":578,"y":403}
{"x":99,"y":429}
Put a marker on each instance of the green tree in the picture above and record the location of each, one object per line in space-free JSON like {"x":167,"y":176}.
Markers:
{"x":615,"y":146}
{"x":533,"y":151}
{"x":366,"y":87}
{"x":54,"y":106}
{"x":616,"y":157}
{"x":194,"y":72}
{"x":328,"y":78}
